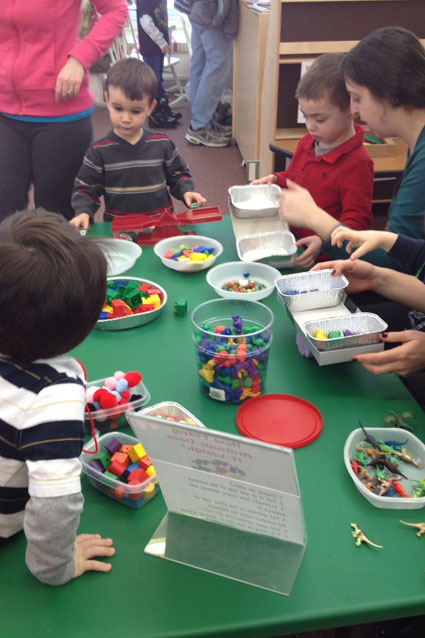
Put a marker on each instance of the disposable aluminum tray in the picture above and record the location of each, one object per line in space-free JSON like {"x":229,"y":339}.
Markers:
{"x":322,"y":290}
{"x":366,"y":327}
{"x":260,"y":200}
{"x":273,"y":244}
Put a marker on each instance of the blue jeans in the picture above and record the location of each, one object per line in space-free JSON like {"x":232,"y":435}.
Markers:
{"x":210,"y":69}
{"x":156,"y":62}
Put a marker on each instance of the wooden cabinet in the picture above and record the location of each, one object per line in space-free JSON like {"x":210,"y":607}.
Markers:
{"x":298,"y":31}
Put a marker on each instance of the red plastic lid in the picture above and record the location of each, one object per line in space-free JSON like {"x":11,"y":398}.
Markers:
{"x":282,"y":419}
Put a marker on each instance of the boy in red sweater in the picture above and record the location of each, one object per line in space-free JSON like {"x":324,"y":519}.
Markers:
{"x":330,"y":161}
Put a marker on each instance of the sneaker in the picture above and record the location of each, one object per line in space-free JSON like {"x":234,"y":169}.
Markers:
{"x":207,"y":136}
{"x":161,"y":120}
{"x":164,"y":105}
{"x":221,"y":129}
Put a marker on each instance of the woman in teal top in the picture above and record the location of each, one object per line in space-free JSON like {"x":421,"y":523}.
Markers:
{"x":385,"y":76}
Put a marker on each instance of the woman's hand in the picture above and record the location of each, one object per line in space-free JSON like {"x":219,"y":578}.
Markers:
{"x":361,"y":275}
{"x":364,"y":240}
{"x":69,"y":80}
{"x":313,"y":245}
{"x":297,"y":207}
{"x":405,"y":359}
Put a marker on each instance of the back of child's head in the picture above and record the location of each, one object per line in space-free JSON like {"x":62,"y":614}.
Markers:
{"x":135,"y":79}
{"x":390,"y":63}
{"x":325,"y":79}
{"x":52,"y":285}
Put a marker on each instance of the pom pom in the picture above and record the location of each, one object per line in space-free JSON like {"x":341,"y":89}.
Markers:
{"x":133,"y":378}
{"x":126,"y":394}
{"x":108,"y":400}
{"x":119,"y":375}
{"x":90,"y":393}
{"x":122,"y":385}
{"x":110,"y":383}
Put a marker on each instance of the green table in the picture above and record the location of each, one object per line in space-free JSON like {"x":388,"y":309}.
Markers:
{"x":338,"y":583}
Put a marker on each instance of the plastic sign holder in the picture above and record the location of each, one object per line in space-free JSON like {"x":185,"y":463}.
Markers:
{"x":234,"y":505}
{"x":166,"y":224}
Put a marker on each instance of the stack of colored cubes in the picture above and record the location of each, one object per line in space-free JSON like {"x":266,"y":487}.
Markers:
{"x":123,"y":470}
{"x":129,"y":297}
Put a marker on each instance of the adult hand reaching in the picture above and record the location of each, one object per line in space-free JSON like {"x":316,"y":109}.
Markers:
{"x":405,"y":359}
{"x":361,"y":275}
{"x":69,"y":80}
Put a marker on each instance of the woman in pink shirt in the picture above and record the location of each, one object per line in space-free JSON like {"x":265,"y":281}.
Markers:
{"x":45,"y":100}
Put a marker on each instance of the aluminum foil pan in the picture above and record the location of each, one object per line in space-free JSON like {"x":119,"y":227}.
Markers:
{"x":260,"y":200}
{"x":272,"y":244}
{"x":317,"y":289}
{"x":365,"y":326}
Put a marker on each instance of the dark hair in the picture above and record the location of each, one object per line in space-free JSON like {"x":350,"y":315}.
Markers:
{"x":135,"y":79}
{"x":325,"y":79}
{"x":390,"y":62}
{"x":52,"y":285}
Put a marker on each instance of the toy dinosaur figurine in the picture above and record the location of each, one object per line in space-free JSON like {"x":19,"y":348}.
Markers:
{"x":361,"y":537}
{"x":369,"y":438}
{"x":420,"y":526}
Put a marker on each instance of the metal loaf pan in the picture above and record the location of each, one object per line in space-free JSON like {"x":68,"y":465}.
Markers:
{"x":263,"y":245}
{"x":322,"y":290}
{"x":261,"y":200}
{"x":366,"y":326}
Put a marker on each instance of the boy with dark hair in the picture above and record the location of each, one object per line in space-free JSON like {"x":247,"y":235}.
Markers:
{"x":330,"y":161}
{"x":53,"y":286}
{"x":134,"y":169}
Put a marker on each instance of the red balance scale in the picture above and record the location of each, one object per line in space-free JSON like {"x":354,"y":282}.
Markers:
{"x":166,"y":224}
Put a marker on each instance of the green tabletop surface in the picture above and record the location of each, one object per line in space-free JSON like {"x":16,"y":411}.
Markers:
{"x":339,"y":584}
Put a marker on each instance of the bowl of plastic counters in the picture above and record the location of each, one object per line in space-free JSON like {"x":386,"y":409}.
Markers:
{"x":243,"y":279}
{"x":120,"y":394}
{"x":258,"y":200}
{"x":171,"y":411}
{"x":308,"y":290}
{"x":390,"y":474}
{"x":347,"y":331}
{"x":131,"y":302}
{"x":232,"y":339}
{"x":121,"y":469}
{"x":188,"y":253}
{"x":121,"y":254}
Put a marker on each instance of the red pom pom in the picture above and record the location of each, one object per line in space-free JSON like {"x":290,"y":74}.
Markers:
{"x":133,"y":378}
{"x":126,"y":394}
{"x":108,"y":400}
{"x":124,"y":402}
{"x":97,"y":396}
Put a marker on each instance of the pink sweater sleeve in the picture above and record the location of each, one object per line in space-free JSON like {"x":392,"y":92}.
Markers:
{"x":114,"y":15}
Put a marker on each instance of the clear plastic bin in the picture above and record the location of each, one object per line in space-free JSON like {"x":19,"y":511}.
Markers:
{"x":110,"y":419}
{"x":134,"y":496}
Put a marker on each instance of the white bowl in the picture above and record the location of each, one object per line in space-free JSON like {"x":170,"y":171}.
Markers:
{"x":120,"y":254}
{"x":218,"y":276}
{"x":132,"y":321}
{"x":414,"y":447}
{"x":171,"y":243}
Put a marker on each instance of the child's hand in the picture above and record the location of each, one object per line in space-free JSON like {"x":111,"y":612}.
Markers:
{"x":268,"y":179}
{"x":194,"y":198}
{"x":313,"y":248}
{"x":87,"y":546}
{"x":166,"y":50}
{"x":81,"y":221}
{"x":363,"y":240}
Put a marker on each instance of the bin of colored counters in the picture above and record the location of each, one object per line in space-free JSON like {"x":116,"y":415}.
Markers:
{"x":96,"y":466}
{"x":109,"y":419}
{"x":232,"y":340}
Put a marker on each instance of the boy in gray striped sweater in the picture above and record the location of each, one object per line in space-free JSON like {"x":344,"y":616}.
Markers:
{"x":134,"y":169}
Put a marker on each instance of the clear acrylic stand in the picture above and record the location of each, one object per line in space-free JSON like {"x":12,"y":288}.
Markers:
{"x":234,"y":507}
